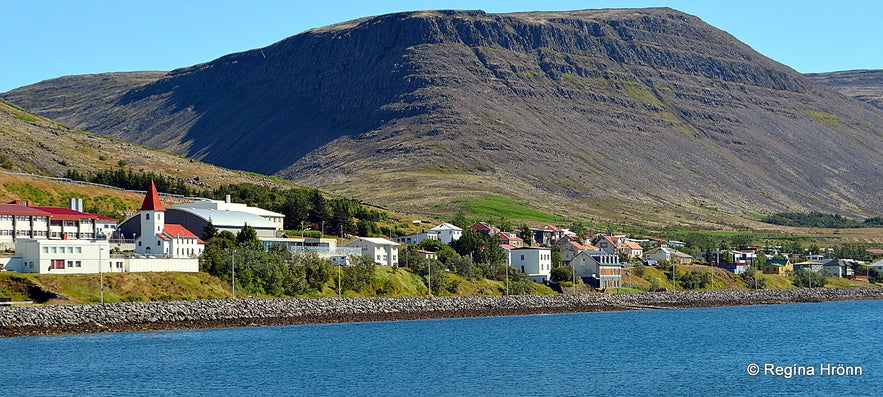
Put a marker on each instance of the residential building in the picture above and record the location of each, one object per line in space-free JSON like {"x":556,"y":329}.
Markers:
{"x":447,"y":232}
{"x":598,"y":269}
{"x":778,"y":266}
{"x":323,"y":247}
{"x":632,"y":249}
{"x":485,"y":229}
{"x":843,"y":268}
{"x":536,"y":262}
{"x":548,"y":234}
{"x":88,"y":256}
{"x":620,"y":244}
{"x":512,"y":239}
{"x":669,"y":255}
{"x":746,"y":257}
{"x":416,"y":238}
{"x":382,"y":251}
{"x":568,"y":248}
{"x":735,"y":268}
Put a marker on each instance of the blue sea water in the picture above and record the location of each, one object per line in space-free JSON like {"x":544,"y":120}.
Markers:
{"x":683,"y":352}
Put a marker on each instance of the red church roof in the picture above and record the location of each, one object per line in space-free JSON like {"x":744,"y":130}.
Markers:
{"x":151,"y":200}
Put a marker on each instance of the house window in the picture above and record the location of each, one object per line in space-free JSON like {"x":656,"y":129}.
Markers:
{"x":78,"y":263}
{"x":522,"y":258}
{"x":79,"y":250}
{"x":70,"y":263}
{"x":147,"y":216}
{"x":45,"y":250}
{"x":56,"y":264}
{"x":54,"y":249}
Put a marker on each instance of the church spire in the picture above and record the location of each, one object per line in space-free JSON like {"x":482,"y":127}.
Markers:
{"x":151,"y":200}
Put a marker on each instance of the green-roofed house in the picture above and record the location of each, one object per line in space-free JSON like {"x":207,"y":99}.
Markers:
{"x":778,"y":266}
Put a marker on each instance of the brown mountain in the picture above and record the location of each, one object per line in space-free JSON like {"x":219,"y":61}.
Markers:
{"x":864,"y":85}
{"x":609,"y":113}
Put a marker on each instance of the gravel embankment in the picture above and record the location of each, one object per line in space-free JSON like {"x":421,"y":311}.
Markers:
{"x":138,"y":316}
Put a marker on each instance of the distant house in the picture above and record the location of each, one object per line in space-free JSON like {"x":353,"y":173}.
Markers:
{"x":598,"y":268}
{"x":485,"y":229}
{"x":569,"y":248}
{"x":511,"y":239}
{"x":547,"y":234}
{"x":447,"y":232}
{"x":778,"y":266}
{"x":670,"y":255}
{"x":843,"y":268}
{"x":814,"y":266}
{"x":428,"y":254}
{"x":620,"y":244}
{"x":633,"y":249}
{"x":416,"y":238}
{"x":746,"y":257}
{"x":735,"y":268}
{"x":536,"y":262}
{"x":382,"y":251}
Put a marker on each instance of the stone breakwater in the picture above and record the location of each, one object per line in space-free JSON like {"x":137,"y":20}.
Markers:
{"x":139,"y":316}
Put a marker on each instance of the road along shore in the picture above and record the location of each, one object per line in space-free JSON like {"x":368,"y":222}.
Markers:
{"x":145,"y":316}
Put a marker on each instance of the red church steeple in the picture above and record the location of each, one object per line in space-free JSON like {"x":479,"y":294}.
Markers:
{"x":151,"y":200}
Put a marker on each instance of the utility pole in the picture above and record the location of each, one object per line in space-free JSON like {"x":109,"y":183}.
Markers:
{"x":233,"y":265}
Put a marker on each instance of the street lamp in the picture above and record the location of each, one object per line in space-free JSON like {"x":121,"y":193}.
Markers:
{"x":233,"y":265}
{"x":100,"y":274}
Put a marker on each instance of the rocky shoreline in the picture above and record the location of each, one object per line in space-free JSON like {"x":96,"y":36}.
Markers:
{"x":144,"y":316}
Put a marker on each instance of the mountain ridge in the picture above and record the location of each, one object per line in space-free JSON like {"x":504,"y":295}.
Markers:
{"x":641,"y":107}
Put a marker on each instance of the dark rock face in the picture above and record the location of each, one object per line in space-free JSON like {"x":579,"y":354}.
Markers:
{"x":864,"y":85}
{"x":647,"y":106}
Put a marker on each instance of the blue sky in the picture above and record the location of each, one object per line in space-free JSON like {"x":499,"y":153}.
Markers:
{"x":43,"y":39}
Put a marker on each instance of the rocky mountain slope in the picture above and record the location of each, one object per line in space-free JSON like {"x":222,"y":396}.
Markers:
{"x":624,"y":114}
{"x":864,"y":85}
{"x":33,"y":144}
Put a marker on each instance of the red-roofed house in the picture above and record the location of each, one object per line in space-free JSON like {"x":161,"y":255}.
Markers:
{"x":508,"y":238}
{"x":486,"y":229}
{"x":569,"y":247}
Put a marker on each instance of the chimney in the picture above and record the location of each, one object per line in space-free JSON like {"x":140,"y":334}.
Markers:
{"x":227,"y":199}
{"x":75,"y":204}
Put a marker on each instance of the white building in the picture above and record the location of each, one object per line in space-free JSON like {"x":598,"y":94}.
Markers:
{"x":447,"y":232}
{"x":275,"y":218}
{"x":598,"y":268}
{"x":382,"y":251}
{"x":669,"y":255}
{"x":536,"y":262}
{"x":85,"y":256}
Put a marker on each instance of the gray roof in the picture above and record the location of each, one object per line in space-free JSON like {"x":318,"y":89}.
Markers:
{"x":227,"y":219}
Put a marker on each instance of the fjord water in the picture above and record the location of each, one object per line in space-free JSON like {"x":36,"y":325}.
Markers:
{"x":654,"y":352}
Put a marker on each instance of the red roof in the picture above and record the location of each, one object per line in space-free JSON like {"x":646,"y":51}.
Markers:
{"x":151,"y":200}
{"x":509,"y":237}
{"x":550,"y":228}
{"x":20,"y":210}
{"x":179,"y":231}
{"x":65,"y":214}
{"x":508,"y":247}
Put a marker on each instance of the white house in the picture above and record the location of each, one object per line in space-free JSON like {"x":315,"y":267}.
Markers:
{"x":380,"y":250}
{"x":536,"y":262}
{"x":669,"y":255}
{"x":447,"y":232}
{"x":598,"y":268}
{"x":160,"y":239}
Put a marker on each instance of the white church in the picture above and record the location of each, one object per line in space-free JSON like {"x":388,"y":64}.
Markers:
{"x":162,"y":240}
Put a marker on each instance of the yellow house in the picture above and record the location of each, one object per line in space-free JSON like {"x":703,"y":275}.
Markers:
{"x":778,"y":266}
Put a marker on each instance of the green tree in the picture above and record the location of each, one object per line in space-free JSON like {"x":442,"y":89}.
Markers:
{"x":751,"y":278}
{"x":209,"y":231}
{"x":561,"y":274}
{"x":248,"y":238}
{"x":809,"y":279}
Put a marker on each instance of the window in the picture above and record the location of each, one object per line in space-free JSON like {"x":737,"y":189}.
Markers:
{"x":79,"y":250}
{"x":54,"y":249}
{"x":522,"y":258}
{"x":147,"y":216}
{"x":45,"y":250}
{"x":56,"y":264}
{"x":70,"y":263}
{"x":78,"y":263}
